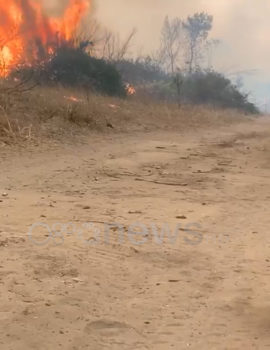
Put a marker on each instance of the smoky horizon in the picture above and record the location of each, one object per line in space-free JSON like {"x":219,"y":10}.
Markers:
{"x":241,"y":28}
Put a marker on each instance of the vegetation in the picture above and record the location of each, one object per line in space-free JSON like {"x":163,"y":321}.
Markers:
{"x":200,"y":88}
{"x":214,"y":89}
{"x":140,"y":71}
{"x":75,"y":68}
{"x":66,"y":114}
{"x":179,"y":72}
{"x":181,"y":69}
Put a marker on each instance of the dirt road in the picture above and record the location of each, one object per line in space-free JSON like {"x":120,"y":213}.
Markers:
{"x":149,"y":241}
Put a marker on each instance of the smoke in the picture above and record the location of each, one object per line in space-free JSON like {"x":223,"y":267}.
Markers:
{"x":242,"y":26}
{"x":53,"y":7}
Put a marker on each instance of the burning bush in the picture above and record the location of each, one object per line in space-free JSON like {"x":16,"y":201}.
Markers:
{"x":29,"y":35}
{"x":38,"y":45}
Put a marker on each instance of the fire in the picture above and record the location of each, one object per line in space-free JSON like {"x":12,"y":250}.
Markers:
{"x":28,"y":34}
{"x":73,"y":99}
{"x":130,"y":90}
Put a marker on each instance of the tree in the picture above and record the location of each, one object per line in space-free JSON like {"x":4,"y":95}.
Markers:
{"x":178,"y":81}
{"x":197,"y":28}
{"x":113,"y":49}
{"x":102,"y":43}
{"x":171,"y":43}
{"x":210,"y":47}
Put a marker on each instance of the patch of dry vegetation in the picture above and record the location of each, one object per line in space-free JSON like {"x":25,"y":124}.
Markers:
{"x":58,"y":112}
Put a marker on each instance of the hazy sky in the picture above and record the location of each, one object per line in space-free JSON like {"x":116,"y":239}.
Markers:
{"x":243,"y":26}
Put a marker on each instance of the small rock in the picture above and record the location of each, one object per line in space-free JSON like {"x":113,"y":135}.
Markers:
{"x":182,"y":217}
{"x":134,"y":250}
{"x":86,"y":207}
{"x":77,"y":280}
{"x":135,"y":212}
{"x":109,"y":125}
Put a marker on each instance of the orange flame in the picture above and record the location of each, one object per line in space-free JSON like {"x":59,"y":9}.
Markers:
{"x":73,"y":99}
{"x":28,"y":34}
{"x":130,"y":89}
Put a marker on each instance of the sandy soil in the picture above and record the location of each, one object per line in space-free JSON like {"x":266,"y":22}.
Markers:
{"x":78,"y":283}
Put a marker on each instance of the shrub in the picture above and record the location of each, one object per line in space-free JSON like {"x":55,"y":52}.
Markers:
{"x":204,"y":88}
{"x":75,"y":68}
{"x":215,"y":89}
{"x":139,"y":71}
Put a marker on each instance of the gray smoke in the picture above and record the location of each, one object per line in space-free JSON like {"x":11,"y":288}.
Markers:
{"x":242,"y":26}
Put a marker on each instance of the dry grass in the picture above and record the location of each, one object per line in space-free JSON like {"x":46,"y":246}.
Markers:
{"x":10,"y":129}
{"x":58,"y":112}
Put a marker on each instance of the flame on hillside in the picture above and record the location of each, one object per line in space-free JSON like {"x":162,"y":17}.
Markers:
{"x":130,"y":90}
{"x":28,"y":34}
